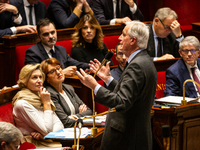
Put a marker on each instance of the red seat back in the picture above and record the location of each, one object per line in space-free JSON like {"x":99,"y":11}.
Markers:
{"x":161,"y":79}
{"x":6,"y":113}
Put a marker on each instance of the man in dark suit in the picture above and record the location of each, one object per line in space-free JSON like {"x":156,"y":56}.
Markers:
{"x":67,"y":13}
{"x":36,"y":7}
{"x":165,"y":35}
{"x":133,"y":95}
{"x":122,"y":59}
{"x":108,"y":12}
{"x":10,"y":18}
{"x":181,"y":70}
{"x":47,"y":49}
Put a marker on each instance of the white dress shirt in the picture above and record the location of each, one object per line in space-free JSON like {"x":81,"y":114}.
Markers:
{"x":27,"y":10}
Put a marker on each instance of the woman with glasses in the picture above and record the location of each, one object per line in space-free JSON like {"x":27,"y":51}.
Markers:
{"x":87,"y":41}
{"x":33,"y":110}
{"x":69,"y":107}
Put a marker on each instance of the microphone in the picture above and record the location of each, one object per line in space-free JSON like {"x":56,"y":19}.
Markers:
{"x":166,"y":136}
{"x":107,"y":57}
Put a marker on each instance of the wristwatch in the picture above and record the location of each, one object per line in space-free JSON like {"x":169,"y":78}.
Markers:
{"x":179,"y":36}
{"x":16,"y":15}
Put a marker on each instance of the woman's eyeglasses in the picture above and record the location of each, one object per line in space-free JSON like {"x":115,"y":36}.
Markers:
{"x":58,"y":68}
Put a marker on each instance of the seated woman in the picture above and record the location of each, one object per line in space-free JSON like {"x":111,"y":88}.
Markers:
{"x":33,"y":110}
{"x":69,"y":107}
{"x":87,"y":41}
{"x":67,"y":13}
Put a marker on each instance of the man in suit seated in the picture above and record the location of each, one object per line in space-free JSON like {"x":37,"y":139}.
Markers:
{"x":46,"y":48}
{"x":10,"y":17}
{"x":110,"y":12}
{"x":31,"y":10}
{"x":185,"y":68}
{"x":165,"y":35}
{"x":9,"y":136}
{"x":122,"y":59}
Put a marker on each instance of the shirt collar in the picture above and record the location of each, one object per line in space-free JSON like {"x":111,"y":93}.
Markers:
{"x":133,"y":54}
{"x":154,"y":33}
{"x":26,"y":3}
{"x":189,"y":67}
{"x":48,"y":48}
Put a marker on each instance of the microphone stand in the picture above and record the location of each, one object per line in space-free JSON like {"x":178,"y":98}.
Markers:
{"x":184,"y":102}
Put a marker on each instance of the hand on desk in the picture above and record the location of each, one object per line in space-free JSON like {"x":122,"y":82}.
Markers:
{"x":165,"y":57}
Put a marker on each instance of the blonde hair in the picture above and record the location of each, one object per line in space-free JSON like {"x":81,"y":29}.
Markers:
{"x":26,"y":72}
{"x":77,"y":36}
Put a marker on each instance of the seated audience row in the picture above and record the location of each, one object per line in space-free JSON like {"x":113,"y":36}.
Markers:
{"x":35,"y":106}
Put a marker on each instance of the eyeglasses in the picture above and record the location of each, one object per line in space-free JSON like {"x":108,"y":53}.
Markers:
{"x":165,"y":26}
{"x":58,"y":68}
{"x":192,"y":51}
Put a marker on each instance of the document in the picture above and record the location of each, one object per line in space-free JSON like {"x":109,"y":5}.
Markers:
{"x":175,"y":99}
{"x":68,"y":133}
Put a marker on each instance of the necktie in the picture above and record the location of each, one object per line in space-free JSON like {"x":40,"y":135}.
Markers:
{"x":53,"y":54}
{"x":30,"y":15}
{"x":126,"y":65}
{"x":159,"y":48}
{"x":117,"y":10}
{"x":195,"y":78}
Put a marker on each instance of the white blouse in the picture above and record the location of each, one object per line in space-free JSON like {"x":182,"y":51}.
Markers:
{"x":29,"y":119}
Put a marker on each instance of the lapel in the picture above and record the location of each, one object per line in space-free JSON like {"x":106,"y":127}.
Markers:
{"x":151,"y":43}
{"x":189,"y":87}
{"x":109,"y":7}
{"x":42,"y":51}
{"x":22,"y":11}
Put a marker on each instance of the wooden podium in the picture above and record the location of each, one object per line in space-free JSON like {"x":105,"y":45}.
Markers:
{"x":184,"y":122}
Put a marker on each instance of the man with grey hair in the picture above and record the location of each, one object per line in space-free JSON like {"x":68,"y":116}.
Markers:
{"x":132,"y":96}
{"x":165,"y":35}
{"x":9,"y":136}
{"x":185,"y":68}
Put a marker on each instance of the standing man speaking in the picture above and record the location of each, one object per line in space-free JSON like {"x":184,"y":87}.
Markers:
{"x":130,"y":126}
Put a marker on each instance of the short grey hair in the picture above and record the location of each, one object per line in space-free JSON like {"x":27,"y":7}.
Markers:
{"x":163,"y":13}
{"x":9,"y":133}
{"x":190,"y":40}
{"x":140,"y":31}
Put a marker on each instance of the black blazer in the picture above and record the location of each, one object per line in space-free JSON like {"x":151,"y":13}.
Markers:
{"x":60,"y":13}
{"x":6,"y":19}
{"x":103,"y":10}
{"x":170,"y":45}
{"x":62,"y":108}
{"x":40,"y":10}
{"x":37,"y":53}
{"x":130,"y":128}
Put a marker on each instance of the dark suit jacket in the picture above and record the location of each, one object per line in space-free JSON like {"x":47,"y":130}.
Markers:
{"x":60,"y":13}
{"x":130,"y":128}
{"x":170,"y":45}
{"x":62,"y":108}
{"x":175,"y":76}
{"x":37,"y":53}
{"x":103,"y":10}
{"x":40,"y":10}
{"x":116,"y":73}
{"x":6,"y":22}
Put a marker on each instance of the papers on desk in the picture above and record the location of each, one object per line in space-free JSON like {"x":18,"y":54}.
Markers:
{"x":98,"y":120}
{"x":175,"y":99}
{"x":68,"y":133}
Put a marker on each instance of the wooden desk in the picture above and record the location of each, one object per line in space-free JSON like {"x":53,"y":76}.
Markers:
{"x":162,"y":65}
{"x":184,"y":122}
{"x":196,"y":29}
{"x":90,"y":142}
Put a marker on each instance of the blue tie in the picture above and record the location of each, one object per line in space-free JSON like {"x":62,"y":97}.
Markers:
{"x":53,"y":54}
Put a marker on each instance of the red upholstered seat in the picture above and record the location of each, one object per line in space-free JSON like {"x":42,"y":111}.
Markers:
{"x":98,"y":107}
{"x":26,"y":146}
{"x":46,"y":2}
{"x":67,"y":44}
{"x":161,"y":79}
{"x":8,"y":116}
{"x":111,"y":42}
